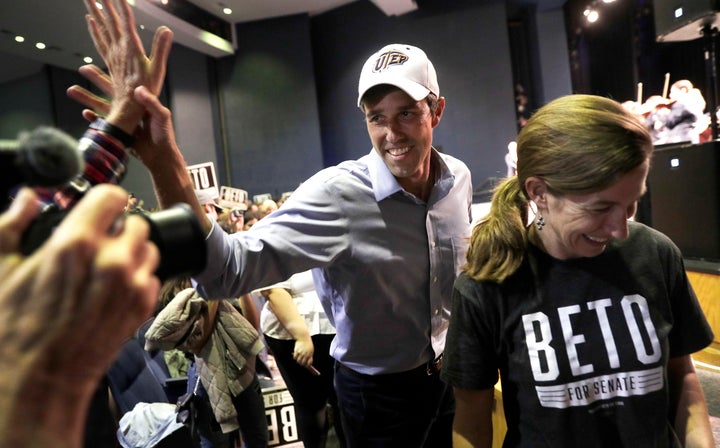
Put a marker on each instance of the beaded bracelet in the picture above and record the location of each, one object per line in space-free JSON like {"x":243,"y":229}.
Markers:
{"x":113,"y":131}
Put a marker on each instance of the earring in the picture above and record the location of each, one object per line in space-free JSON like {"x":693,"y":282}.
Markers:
{"x":539,"y":222}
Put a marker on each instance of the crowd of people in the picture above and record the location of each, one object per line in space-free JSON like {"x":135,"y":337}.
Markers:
{"x":586,"y":318}
{"x":677,"y":117}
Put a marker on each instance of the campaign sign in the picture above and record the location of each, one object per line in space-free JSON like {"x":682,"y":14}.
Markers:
{"x":259,"y":198}
{"x":282,"y":428}
{"x":233,"y":197}
{"x":203,"y":177}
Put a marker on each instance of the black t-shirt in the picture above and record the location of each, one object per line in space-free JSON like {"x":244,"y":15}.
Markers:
{"x":582,"y":345}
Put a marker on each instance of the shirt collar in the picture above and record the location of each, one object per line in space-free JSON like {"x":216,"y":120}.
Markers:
{"x":384,"y":184}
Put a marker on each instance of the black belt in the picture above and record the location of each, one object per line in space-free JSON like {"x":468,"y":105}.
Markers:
{"x":430,"y":368}
{"x":434,"y":366}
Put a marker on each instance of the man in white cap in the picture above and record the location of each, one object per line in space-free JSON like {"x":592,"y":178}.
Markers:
{"x":385,"y":236}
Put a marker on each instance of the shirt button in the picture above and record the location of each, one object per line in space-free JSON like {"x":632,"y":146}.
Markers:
{"x":437,"y":311}
{"x":433,"y":244}
{"x":434,"y":279}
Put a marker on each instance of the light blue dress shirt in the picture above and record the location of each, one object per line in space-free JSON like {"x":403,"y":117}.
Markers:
{"x":384,"y":261}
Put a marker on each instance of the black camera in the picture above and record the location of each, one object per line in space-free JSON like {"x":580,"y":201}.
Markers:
{"x":48,"y":157}
{"x":175,"y":231}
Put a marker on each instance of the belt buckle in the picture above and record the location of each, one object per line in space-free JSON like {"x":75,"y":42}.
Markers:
{"x":434,"y":366}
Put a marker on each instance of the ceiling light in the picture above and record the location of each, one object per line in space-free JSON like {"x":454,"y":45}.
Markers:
{"x":592,"y":16}
{"x":164,"y":2}
{"x":227,"y":10}
{"x":40,"y":46}
{"x":19,"y":39}
{"x":99,"y":5}
{"x":87,"y":60}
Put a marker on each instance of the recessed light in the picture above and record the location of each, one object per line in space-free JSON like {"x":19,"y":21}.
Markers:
{"x":40,"y":46}
{"x":87,"y":60}
{"x":19,"y":39}
{"x":227,"y":10}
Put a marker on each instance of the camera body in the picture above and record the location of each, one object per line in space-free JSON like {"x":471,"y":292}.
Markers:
{"x":175,"y":231}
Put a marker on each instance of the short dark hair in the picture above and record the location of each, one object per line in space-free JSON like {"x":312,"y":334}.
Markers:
{"x":375,"y":93}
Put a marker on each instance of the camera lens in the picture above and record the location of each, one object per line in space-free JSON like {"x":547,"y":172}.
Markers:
{"x":175,"y":231}
{"x":177,"y":234}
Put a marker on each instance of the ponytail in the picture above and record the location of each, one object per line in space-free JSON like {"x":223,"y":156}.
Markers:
{"x":499,"y":241}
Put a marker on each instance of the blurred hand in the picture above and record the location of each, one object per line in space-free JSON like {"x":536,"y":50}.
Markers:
{"x":66,"y":309}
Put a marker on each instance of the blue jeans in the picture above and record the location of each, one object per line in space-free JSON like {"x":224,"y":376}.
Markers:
{"x":409,"y":409}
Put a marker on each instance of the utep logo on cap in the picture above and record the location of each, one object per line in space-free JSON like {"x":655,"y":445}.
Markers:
{"x":388,"y":59}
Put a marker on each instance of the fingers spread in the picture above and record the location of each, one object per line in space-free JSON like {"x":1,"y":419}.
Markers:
{"x":97,"y":76}
{"x":128,"y":23}
{"x":89,"y":99}
{"x":162,"y":42}
{"x":113,"y":26}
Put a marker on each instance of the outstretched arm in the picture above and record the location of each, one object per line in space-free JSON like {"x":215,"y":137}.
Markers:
{"x":133,"y":83}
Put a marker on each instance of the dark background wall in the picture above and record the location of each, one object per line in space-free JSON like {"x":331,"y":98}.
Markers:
{"x":470,"y":50}
{"x":270,"y":108}
{"x":613,"y":55}
{"x":284,"y":105}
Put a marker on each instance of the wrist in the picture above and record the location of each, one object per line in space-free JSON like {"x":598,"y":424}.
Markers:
{"x":109,"y":129}
{"x":126,"y":115}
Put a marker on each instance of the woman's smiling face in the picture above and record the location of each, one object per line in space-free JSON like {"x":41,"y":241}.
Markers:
{"x":582,"y":225}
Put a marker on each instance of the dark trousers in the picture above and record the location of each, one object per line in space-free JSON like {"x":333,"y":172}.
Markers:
{"x":409,"y":409}
{"x":311,"y":394}
{"x":250,"y":408}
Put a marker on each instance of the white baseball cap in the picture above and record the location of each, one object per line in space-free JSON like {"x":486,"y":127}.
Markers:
{"x":402,"y":66}
{"x":205,"y":197}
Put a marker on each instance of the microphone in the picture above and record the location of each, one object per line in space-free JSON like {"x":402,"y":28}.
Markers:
{"x":44,"y":157}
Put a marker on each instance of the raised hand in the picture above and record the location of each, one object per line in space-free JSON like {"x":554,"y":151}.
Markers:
{"x":116,"y":39}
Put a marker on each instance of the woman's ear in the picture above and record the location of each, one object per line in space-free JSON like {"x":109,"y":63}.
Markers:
{"x":537,"y":191}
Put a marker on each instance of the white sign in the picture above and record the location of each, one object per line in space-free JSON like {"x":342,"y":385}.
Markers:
{"x":233,"y":197}
{"x":203,"y":178}
{"x":259,"y":198}
{"x":280,"y":412}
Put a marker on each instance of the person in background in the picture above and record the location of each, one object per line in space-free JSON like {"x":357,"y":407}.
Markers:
{"x":237,"y":219}
{"x":588,"y":317}
{"x":250,"y":220}
{"x":225,"y":346}
{"x":65,"y":311}
{"x":254,"y":210}
{"x":212,"y":209}
{"x":387,"y":233}
{"x":299,"y":334}
{"x":266,"y":207}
